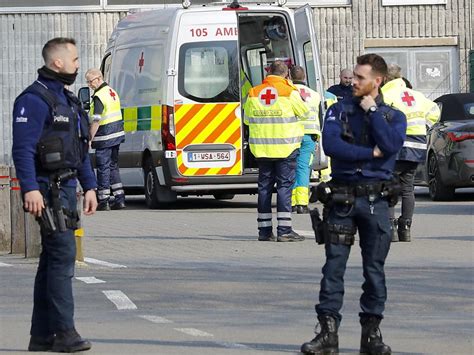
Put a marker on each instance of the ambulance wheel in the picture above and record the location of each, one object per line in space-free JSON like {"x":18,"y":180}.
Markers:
{"x":224,"y":196}
{"x":156,"y":195}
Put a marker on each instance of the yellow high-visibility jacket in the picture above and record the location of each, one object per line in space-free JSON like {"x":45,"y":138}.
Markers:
{"x":110,"y":132}
{"x":313,"y":100}
{"x":272,"y":112}
{"x":420,"y":112}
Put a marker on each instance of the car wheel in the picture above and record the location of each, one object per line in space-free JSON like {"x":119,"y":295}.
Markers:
{"x":155,"y":195}
{"x":438,"y":191}
{"x":224,"y":196}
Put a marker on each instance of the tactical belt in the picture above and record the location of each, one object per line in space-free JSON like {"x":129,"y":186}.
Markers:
{"x":360,"y":190}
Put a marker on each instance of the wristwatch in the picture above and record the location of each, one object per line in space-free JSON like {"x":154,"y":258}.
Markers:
{"x":372,"y":109}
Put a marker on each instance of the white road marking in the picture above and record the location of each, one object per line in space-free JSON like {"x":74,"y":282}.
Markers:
{"x":5,"y":265}
{"x":90,"y":280}
{"x":194,"y":332}
{"x":120,"y":299}
{"x":103,"y":263}
{"x":228,"y":345}
{"x":305,"y":233}
{"x":156,"y":319}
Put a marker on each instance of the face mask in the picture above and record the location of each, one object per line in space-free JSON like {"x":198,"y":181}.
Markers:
{"x":66,"y":79}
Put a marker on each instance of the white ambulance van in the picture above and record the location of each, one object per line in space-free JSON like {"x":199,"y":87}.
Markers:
{"x":181,"y":74}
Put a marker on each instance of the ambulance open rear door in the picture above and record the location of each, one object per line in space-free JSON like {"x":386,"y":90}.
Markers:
{"x":308,"y":55}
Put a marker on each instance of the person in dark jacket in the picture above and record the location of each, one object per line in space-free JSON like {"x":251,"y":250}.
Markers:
{"x":362,"y":137}
{"x":343,"y":90}
{"x":50,"y":144}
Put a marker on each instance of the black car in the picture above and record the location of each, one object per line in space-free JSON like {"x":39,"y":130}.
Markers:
{"x":450,"y":141}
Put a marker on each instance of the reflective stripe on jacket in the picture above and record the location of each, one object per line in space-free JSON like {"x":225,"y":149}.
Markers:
{"x":272,"y":112}
{"x":110,"y":132}
{"x":420,"y":112}
{"x":313,"y":100}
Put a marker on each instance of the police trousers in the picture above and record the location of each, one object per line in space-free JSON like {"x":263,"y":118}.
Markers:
{"x":373,"y":224}
{"x":53,"y":303}
{"x":282,"y":172}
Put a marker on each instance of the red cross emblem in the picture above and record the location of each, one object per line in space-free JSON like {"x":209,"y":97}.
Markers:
{"x":268,"y":96}
{"x":112,"y":93}
{"x":304,"y":95}
{"x":407,"y":98}
{"x":141,"y":62}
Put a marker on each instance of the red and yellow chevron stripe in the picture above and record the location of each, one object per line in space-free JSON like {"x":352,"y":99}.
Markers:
{"x":208,"y":123}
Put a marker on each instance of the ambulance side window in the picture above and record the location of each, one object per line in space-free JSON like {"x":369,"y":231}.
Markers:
{"x":309,"y":60}
{"x":209,"y":71}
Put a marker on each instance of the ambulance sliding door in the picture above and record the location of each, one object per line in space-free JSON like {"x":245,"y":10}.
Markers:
{"x":308,"y":56}
{"x":207,"y":99}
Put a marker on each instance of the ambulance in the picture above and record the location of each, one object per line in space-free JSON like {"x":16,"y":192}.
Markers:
{"x":182,"y":74}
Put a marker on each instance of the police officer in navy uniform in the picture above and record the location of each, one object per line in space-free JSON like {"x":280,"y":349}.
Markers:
{"x":50,"y":143}
{"x":343,"y":90}
{"x":362,"y":137}
{"x":106,"y":136}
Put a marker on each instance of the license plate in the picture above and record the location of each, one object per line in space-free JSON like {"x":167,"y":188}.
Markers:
{"x":209,"y":156}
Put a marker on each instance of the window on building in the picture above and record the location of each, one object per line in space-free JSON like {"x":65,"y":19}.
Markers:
{"x":431,"y":70}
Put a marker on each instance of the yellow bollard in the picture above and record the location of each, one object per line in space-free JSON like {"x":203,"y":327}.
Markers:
{"x":79,"y":232}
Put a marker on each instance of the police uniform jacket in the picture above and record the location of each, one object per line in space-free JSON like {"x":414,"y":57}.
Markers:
{"x":420,"y":113}
{"x":354,"y":161}
{"x":32,"y":116}
{"x":342,"y":92}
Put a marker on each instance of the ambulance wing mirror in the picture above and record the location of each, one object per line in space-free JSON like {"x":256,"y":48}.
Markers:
{"x":84,"y":97}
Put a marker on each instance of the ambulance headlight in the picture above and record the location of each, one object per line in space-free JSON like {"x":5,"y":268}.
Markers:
{"x":281,"y":2}
{"x":186,"y":3}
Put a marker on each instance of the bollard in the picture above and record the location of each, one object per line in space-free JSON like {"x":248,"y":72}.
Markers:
{"x":5,"y":219}
{"x":79,"y":232}
{"x":17,"y":215}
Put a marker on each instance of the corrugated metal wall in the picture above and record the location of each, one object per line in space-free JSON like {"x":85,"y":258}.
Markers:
{"x":341,"y":32}
{"x":22,"y":37}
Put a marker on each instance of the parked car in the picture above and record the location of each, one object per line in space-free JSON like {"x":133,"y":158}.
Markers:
{"x":450,"y":142}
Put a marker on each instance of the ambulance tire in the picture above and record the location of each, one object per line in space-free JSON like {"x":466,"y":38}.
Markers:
{"x":156,"y":196}
{"x":224,"y":196}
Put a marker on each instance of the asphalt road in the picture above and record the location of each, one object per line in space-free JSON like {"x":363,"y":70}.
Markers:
{"x":194,"y":279}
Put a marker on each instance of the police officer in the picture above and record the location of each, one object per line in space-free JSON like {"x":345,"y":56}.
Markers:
{"x":272,"y":113}
{"x":343,"y":90}
{"x":106,"y":135}
{"x":50,"y":143}
{"x":420,"y":112}
{"x":312,"y":133}
{"x":362,"y":137}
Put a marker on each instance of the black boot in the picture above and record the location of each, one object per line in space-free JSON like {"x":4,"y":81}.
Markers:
{"x":326,"y":342}
{"x":404,"y":229}
{"x":38,"y":343}
{"x":393,"y":229}
{"x":371,"y":340}
{"x":70,"y":341}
